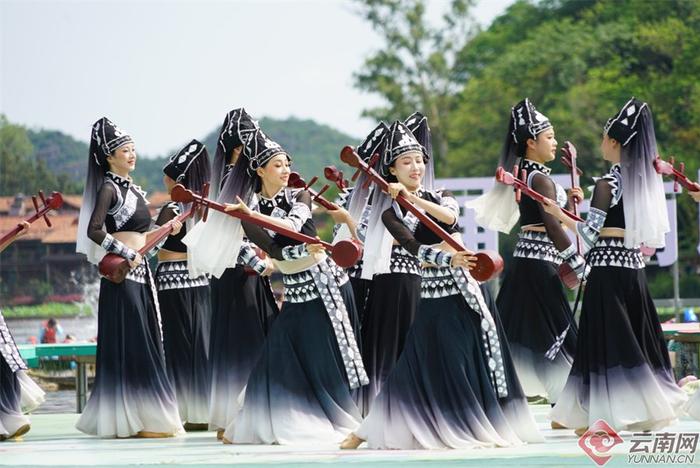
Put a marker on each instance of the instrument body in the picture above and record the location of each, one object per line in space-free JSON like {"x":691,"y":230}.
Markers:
{"x":115,"y":268}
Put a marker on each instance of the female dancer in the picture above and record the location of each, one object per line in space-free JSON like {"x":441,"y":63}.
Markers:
{"x":621,"y":372}
{"x":184,"y":300}
{"x":132,"y":395}
{"x":532,"y":303}
{"x":243,"y":305}
{"x":300,"y":390}
{"x":355,"y":201}
{"x":454,"y":385}
{"x":18,"y":392}
{"x":395,"y":273}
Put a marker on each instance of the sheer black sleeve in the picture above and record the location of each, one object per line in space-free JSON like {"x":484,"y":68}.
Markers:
{"x":262,"y":239}
{"x":545,"y":186}
{"x":106,"y":197}
{"x":405,"y":238}
{"x":598,"y":211}
{"x":299,"y":213}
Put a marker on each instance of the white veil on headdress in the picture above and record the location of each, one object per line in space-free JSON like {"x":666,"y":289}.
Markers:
{"x":646,"y":216}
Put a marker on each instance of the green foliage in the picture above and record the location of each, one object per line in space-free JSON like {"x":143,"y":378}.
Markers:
{"x":26,"y":155}
{"x":579,"y":61}
{"x":48,"y":310}
{"x":21,"y":171}
{"x":417,"y":68}
{"x":61,"y":151}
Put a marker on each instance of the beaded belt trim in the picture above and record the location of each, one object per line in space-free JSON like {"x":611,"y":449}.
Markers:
{"x":403,"y":262}
{"x":536,"y":245}
{"x":355,"y":271}
{"x":438,"y":282}
{"x":174,"y":275}
{"x":611,"y":251}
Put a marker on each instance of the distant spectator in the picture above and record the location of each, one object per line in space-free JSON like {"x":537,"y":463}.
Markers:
{"x":50,"y":332}
{"x":69,"y":339}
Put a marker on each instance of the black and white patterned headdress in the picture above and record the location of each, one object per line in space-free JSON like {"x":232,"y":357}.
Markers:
{"x":527,"y":121}
{"x":418,"y":124}
{"x":180,"y":162}
{"x":260,"y":149}
{"x":359,"y":195}
{"x":643,"y":188}
{"x":106,"y":137}
{"x":189,"y":166}
{"x":400,"y":141}
{"x":237,"y":129}
{"x":623,"y":127}
{"x":374,"y":142}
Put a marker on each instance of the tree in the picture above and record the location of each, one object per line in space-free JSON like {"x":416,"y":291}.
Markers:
{"x":579,"y":61}
{"x":15,"y":158}
{"x":21,"y":171}
{"x":415,"y":69}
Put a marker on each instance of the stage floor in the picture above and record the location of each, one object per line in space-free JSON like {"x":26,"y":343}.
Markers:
{"x":54,"y":441}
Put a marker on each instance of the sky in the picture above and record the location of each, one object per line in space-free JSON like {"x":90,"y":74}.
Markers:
{"x":169,"y":71}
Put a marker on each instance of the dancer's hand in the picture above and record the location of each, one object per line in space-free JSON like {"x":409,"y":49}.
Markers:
{"x":464,"y":259}
{"x":695,"y":195}
{"x":136,"y":261}
{"x":551,"y":207}
{"x":177,"y":225}
{"x":340,"y":215}
{"x":575,"y":196}
{"x":269,"y":267}
{"x":395,"y":188}
{"x":25,"y":229}
{"x":315,"y":248}
{"x":240,"y":206}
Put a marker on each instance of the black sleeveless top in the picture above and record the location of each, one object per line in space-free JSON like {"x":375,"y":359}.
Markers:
{"x":170,"y":211}
{"x":121,"y":206}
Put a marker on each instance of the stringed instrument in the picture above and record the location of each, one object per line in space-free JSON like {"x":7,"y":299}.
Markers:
{"x":54,"y":202}
{"x":115,"y":268}
{"x":488,"y":263}
{"x":668,"y":168}
{"x":345,"y":253}
{"x":296,"y":181}
{"x":568,"y":158}
{"x":335,"y":175}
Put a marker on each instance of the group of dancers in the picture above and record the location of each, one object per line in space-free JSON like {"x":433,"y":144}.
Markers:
{"x":403,"y":350}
